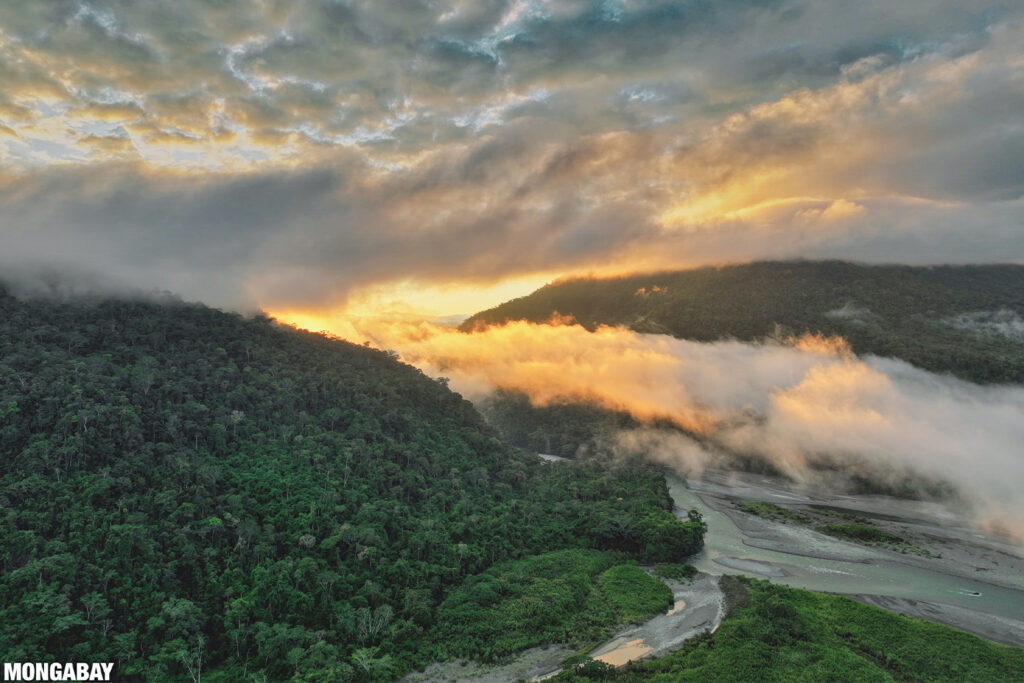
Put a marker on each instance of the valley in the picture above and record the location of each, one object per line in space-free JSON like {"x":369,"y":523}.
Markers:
{"x":623,"y":341}
{"x":187,"y":490}
{"x":977,"y":585}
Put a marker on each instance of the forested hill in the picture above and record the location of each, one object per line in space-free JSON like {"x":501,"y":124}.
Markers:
{"x":186,"y":490}
{"x":968,"y":320}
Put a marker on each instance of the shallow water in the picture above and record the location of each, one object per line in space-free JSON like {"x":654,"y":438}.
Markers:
{"x":724,"y":542}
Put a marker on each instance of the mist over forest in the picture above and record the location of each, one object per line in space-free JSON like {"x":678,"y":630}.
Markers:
{"x":511,"y":340}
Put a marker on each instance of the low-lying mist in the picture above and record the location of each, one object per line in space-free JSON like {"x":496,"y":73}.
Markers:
{"x":796,"y":403}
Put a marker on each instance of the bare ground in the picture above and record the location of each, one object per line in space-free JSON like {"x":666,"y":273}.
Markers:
{"x":939,"y":538}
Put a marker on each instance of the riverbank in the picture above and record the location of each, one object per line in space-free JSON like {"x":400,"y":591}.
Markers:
{"x":961,"y":579}
{"x":950,"y":544}
{"x":699,"y":606}
{"x":953,"y":574}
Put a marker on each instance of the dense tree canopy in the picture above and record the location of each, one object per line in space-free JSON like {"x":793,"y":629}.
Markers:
{"x":186,"y":490}
{"x":565,"y":428}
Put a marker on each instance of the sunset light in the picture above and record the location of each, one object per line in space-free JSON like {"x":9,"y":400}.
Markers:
{"x":350,"y":341}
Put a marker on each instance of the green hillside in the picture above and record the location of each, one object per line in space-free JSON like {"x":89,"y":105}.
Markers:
{"x":186,"y":490}
{"x":967,"y":320}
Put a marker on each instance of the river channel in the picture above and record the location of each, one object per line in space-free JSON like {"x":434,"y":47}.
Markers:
{"x":878,"y":575}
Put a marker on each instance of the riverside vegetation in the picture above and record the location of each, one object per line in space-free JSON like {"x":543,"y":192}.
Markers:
{"x":573,"y":597}
{"x":192,"y":493}
{"x":776,"y":633}
{"x":850,"y":527}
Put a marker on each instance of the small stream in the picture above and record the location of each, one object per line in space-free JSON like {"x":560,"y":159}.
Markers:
{"x":881,"y":576}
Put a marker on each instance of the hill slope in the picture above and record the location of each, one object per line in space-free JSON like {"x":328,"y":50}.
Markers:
{"x":968,"y":320}
{"x":185,"y":489}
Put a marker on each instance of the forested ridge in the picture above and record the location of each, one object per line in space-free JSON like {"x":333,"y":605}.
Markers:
{"x":188,"y":490}
{"x":566,"y":428}
{"x":967,"y":320}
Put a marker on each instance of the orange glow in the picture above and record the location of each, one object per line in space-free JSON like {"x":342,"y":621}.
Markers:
{"x":653,"y":377}
{"x":788,"y":401}
{"x":611,"y":366}
{"x":411,"y":301}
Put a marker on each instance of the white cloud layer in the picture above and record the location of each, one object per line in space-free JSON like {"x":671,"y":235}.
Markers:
{"x":794,"y":405}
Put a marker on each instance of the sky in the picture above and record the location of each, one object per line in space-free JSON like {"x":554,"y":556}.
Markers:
{"x":435,"y":158}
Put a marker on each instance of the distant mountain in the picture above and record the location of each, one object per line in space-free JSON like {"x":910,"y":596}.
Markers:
{"x":186,"y":490}
{"x":967,"y":320}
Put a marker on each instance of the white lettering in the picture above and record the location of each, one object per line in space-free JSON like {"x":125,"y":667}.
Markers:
{"x":57,"y":671}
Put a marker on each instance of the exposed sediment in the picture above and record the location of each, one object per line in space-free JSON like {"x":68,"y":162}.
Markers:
{"x":941,"y":542}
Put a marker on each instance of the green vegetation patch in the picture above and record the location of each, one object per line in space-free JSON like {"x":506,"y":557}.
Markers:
{"x":852,"y":527}
{"x":575,"y":597}
{"x":772,"y":511}
{"x":863,"y":532}
{"x":634,"y":594}
{"x":787,"y":634}
{"x":679,"y":572}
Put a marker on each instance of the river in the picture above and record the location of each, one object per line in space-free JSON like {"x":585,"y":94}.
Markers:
{"x":878,"y":575}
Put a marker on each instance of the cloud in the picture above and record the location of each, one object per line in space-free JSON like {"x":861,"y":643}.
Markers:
{"x":279,"y":153}
{"x":793,"y":404}
{"x":838,"y":210}
{"x":998,"y":323}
